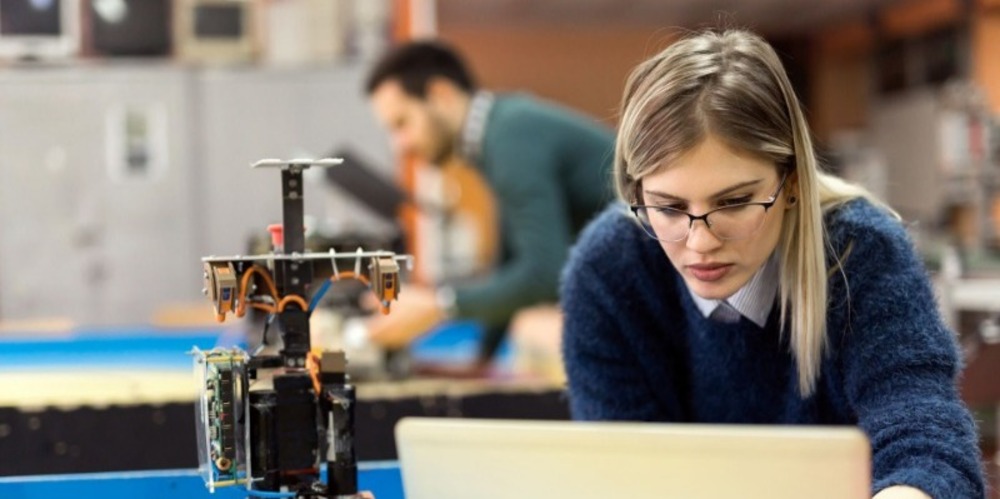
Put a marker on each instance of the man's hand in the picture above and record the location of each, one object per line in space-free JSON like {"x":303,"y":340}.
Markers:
{"x":414,"y":314}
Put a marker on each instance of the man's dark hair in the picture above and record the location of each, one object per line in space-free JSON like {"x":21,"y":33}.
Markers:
{"x":416,"y":63}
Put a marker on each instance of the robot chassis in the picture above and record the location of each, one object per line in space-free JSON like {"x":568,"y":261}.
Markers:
{"x":267,"y":421}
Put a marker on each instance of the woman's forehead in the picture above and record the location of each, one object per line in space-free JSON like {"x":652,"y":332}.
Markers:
{"x":710,"y":164}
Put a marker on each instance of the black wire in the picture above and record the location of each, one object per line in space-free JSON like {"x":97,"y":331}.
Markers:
{"x":267,"y":325}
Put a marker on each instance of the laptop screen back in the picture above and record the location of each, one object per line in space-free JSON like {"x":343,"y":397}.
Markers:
{"x":458,"y":458}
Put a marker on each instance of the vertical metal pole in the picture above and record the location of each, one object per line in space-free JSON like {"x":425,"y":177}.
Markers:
{"x":293,"y":276}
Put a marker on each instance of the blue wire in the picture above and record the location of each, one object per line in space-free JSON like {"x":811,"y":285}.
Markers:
{"x":319,"y":295}
{"x":266,"y":494}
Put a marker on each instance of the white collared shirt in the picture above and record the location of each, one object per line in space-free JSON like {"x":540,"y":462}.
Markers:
{"x":754,"y":300}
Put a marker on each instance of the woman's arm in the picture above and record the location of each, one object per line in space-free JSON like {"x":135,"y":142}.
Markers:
{"x":900,"y":365}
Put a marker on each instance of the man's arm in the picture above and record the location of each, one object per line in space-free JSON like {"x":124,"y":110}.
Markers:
{"x":536,"y":228}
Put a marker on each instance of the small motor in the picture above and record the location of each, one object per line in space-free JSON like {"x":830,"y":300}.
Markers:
{"x":222,"y":286}
{"x":384,"y":277}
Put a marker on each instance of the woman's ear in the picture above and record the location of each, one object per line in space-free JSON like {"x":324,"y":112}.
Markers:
{"x":792,"y":190}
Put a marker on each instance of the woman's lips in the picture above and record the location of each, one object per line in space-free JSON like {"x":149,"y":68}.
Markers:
{"x":709,"y":272}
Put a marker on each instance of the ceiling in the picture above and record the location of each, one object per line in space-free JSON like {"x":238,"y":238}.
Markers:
{"x":775,"y":17}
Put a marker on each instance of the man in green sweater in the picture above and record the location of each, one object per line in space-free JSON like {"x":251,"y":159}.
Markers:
{"x":548,"y":169}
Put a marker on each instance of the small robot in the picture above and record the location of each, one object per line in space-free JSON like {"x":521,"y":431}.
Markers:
{"x":268,"y":422}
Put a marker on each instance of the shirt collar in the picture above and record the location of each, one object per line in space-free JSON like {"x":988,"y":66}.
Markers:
{"x":754,"y":300}
{"x":470,"y":141}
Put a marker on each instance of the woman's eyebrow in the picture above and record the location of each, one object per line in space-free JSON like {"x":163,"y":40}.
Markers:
{"x":670,"y":197}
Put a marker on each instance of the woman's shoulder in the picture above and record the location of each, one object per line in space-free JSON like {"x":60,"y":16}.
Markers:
{"x":613,"y":234}
{"x":869,"y":240}
{"x":860,"y":213}
{"x":613,"y":248}
{"x":860,"y":222}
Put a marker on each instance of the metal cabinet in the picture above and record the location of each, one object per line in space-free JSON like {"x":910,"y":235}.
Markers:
{"x":79,"y":239}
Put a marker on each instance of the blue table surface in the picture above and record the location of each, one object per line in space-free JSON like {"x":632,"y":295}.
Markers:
{"x":141,"y":347}
{"x":148,"y":347}
{"x":383,"y":479}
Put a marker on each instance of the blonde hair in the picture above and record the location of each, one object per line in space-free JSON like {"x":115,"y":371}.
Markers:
{"x":732,"y":85}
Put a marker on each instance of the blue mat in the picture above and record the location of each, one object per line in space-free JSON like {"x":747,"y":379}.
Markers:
{"x":120,"y":348}
{"x":381,"y":478}
{"x":455,"y":342}
{"x":146,"y":347}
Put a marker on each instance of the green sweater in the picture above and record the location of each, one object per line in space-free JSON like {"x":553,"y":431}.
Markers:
{"x":550,"y":172}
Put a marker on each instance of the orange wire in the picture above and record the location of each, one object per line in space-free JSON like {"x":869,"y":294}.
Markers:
{"x":241,"y":308}
{"x":364,"y":280}
{"x":312,"y":364}
{"x":292,"y":298}
{"x":281,"y":303}
{"x":350,"y":275}
{"x":267,"y":279}
{"x":263,"y":306}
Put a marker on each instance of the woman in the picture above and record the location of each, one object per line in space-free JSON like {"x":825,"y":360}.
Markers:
{"x":787,"y":296}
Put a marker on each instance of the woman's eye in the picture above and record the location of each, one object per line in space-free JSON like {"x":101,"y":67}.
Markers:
{"x":735,"y":201}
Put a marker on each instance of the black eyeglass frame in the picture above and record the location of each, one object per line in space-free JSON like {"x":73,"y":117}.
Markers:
{"x":704,"y":217}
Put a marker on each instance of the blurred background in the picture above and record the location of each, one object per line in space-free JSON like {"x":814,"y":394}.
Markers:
{"x":127,"y":128}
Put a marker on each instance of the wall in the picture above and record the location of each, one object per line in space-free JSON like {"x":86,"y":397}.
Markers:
{"x":77,"y":243}
{"x":840,"y":77}
{"x":583,"y":67}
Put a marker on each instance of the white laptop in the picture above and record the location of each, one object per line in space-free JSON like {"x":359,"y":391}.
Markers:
{"x":489,"y":459}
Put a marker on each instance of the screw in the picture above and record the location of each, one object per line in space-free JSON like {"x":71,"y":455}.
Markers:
{"x":204,"y":291}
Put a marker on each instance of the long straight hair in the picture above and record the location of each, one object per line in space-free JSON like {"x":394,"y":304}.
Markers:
{"x":732,"y":85}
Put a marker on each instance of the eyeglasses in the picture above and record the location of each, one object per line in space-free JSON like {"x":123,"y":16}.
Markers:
{"x":738,"y":221}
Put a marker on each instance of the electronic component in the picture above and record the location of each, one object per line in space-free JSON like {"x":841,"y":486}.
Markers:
{"x":384,"y":277}
{"x":270,"y":421}
{"x":221,"y":413}
{"x":221,"y":286}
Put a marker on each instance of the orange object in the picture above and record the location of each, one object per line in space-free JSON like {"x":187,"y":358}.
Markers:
{"x":221,"y":286}
{"x":364,"y":280}
{"x":293,"y":298}
{"x":245,"y":288}
{"x":916,"y":17}
{"x":312,"y":364}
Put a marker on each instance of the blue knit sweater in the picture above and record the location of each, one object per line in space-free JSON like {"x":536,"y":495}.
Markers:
{"x":637,"y":348}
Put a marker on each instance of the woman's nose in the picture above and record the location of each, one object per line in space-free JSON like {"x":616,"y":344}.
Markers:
{"x":701,"y":239}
